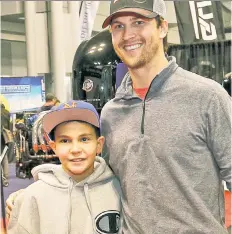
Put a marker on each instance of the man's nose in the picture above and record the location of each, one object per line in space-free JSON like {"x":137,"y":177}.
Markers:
{"x":128,"y":33}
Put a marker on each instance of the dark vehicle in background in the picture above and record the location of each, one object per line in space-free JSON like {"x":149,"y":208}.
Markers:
{"x":94,"y":70}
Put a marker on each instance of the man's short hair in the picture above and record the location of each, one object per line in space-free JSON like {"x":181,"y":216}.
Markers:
{"x":49,"y":97}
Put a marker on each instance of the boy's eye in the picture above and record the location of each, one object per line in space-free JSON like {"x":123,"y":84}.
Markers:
{"x":64,"y":141}
{"x":84,"y":139}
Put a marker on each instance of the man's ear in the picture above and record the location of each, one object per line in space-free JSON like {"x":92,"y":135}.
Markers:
{"x":163,"y":29}
{"x":100,"y":143}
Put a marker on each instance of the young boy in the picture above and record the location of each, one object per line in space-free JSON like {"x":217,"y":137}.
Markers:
{"x":79,"y":196}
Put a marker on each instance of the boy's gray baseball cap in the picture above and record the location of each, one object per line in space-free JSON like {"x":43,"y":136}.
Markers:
{"x":156,"y":7}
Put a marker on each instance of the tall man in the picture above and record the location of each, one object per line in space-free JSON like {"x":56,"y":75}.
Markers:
{"x":168,"y":131}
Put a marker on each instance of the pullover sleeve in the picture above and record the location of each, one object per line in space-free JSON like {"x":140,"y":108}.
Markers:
{"x":24,"y":217}
{"x":219,"y":133}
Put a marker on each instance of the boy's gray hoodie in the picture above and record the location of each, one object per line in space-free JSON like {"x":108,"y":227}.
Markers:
{"x":56,"y":204}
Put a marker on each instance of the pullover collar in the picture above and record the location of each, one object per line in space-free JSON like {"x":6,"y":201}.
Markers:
{"x":125,"y":90}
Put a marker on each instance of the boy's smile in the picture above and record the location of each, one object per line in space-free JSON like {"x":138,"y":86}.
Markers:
{"x":76,"y":145}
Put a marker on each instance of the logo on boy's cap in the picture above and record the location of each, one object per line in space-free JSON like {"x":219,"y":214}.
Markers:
{"x":70,"y":105}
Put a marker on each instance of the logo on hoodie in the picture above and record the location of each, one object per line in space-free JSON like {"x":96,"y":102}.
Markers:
{"x":108,"y":222}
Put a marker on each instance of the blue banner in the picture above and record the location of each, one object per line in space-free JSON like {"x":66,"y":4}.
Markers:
{"x":23,"y":93}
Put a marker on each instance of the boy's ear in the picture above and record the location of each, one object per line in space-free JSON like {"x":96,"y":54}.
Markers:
{"x":52,"y":144}
{"x":100,"y":143}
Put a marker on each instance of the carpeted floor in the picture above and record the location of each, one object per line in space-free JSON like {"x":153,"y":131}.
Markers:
{"x":14,"y":183}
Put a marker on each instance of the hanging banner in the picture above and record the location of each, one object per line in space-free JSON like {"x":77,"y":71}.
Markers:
{"x":199,"y":21}
{"x":87,"y":18}
{"x":23,"y":93}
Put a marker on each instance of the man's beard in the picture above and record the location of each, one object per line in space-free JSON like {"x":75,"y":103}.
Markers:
{"x":147,"y":54}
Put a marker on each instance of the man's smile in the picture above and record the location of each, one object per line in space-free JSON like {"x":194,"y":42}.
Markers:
{"x":132,"y":47}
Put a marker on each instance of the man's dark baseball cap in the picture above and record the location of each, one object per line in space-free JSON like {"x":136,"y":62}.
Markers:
{"x":155,"y":7}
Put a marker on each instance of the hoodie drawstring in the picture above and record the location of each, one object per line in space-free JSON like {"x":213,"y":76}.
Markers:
{"x":86,"y":191}
{"x":70,"y":187}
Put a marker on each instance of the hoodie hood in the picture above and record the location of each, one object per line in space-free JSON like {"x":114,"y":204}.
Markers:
{"x":55,"y":175}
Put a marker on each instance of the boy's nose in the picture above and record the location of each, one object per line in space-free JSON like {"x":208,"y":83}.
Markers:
{"x":75,"y":148}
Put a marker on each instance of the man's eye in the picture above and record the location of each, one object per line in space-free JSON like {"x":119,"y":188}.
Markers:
{"x":139,"y":22}
{"x":117,"y":26}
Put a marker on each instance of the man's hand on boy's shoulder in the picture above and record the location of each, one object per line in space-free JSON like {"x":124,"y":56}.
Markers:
{"x":10,"y":202}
